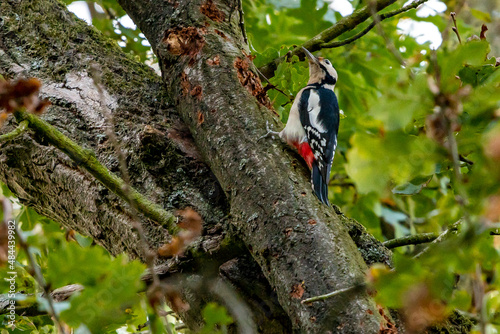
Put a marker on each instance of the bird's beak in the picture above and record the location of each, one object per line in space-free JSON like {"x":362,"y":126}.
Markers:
{"x":309,"y":55}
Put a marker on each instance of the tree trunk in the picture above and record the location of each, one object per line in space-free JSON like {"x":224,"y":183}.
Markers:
{"x":214,"y":163}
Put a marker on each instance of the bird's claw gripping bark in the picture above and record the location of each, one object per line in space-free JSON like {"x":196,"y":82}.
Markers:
{"x":269,"y":132}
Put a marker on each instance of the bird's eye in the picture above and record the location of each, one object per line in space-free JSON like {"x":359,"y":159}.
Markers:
{"x":327,"y":62}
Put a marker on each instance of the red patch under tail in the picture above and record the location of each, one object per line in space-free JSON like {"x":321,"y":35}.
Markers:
{"x":306,"y":152}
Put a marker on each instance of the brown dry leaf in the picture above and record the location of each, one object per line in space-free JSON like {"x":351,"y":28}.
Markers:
{"x":297,"y":291}
{"x":492,"y":212}
{"x":492,"y":148}
{"x":191,"y":220}
{"x":155,"y":295}
{"x":22,"y":93}
{"x":210,"y":10}
{"x":174,"y":299}
{"x":484,"y":29}
{"x":421,"y":309}
{"x":70,"y":235}
{"x":436,"y":127}
{"x":192,"y":226}
{"x":251,"y":81}
{"x":175,"y":247}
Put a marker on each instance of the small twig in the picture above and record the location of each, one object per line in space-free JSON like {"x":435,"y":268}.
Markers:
{"x":336,"y":44}
{"x":270,"y":85}
{"x":86,"y":159}
{"x":39,"y":279}
{"x":242,"y":21}
{"x":478,"y":289}
{"x":390,"y":45}
{"x":382,"y":17}
{"x":314,"y":44}
{"x":238,"y":309}
{"x":150,"y":256}
{"x":445,"y":34}
{"x":464,"y":159}
{"x":342,"y":26}
{"x":126,"y":178}
{"x":332,"y":294}
{"x":452,"y":229}
{"x":23,"y":126}
{"x":455,"y":28}
{"x":415,"y":239}
{"x":181,"y":326}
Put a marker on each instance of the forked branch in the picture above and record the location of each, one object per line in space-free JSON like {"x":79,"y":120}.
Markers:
{"x":324,"y":39}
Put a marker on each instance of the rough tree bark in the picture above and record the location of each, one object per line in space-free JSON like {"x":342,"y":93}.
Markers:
{"x":254,"y":191}
{"x":300,"y":245}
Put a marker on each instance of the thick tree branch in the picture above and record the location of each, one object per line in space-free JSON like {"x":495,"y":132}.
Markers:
{"x":335,"y":44}
{"x":87,"y":160}
{"x":314,"y":44}
{"x":288,"y":232}
{"x":162,"y":160}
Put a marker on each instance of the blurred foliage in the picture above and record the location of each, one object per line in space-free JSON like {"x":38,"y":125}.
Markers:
{"x":107,"y":16}
{"x":389,"y":172}
{"x":111,"y":297}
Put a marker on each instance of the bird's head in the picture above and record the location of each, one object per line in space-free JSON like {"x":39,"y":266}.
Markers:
{"x":321,"y":71}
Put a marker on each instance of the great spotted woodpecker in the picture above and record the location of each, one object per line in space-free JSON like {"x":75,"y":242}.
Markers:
{"x":313,"y":123}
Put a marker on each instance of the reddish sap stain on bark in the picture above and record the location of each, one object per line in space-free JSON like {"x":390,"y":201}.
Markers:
{"x":251,"y":81}
{"x":210,"y":10}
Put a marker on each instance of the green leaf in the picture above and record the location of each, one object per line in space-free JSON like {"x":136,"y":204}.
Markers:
{"x":482,"y":16}
{"x":28,"y":218}
{"x":374,"y":161}
{"x":74,"y":264}
{"x":461,"y":299}
{"x":476,"y":75}
{"x":471,"y":53}
{"x":5,"y":191}
{"x":83,"y":241}
{"x":413,"y":187}
{"x":108,"y":303}
{"x":214,"y":316}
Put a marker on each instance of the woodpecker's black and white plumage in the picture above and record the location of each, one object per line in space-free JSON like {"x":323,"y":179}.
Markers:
{"x":313,"y":123}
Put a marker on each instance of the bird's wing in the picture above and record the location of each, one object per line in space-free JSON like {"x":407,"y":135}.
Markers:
{"x":319,"y":115}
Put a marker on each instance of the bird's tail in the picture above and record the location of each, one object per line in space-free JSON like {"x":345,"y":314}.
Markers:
{"x":319,"y":185}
